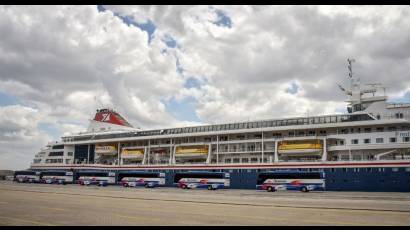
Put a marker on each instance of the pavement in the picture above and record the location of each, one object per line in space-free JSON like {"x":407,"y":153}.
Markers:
{"x":41,"y":204}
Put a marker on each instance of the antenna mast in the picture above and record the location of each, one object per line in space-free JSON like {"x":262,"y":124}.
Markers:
{"x":349,"y":66}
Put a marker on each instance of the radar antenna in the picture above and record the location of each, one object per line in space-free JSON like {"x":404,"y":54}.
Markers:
{"x":350,"y":61}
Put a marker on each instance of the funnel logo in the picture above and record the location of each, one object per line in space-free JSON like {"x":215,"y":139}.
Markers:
{"x":105,"y":117}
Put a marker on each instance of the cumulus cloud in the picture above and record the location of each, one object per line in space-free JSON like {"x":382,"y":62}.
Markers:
{"x":20,"y":138}
{"x":233,"y":62}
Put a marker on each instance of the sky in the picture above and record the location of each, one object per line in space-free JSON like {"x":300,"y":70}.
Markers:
{"x":172,"y":66}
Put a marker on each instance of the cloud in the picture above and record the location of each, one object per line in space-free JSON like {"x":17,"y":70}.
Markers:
{"x":19,"y":137}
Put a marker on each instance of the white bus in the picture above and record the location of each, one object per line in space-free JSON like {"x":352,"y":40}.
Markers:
{"x":99,"y":178}
{"x":57,"y":177}
{"x":208,"y":180}
{"x":27,"y":176}
{"x":138,"y":178}
{"x":291,"y":180}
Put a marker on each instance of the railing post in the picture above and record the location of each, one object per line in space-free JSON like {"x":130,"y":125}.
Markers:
{"x":217,"y":149}
{"x":170,"y":152}
{"x":118,"y":153}
{"x":324,"y":156}
{"x":208,"y":160}
{"x":262,"y":148}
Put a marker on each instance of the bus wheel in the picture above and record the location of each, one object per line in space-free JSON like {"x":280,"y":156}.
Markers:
{"x":184,"y":186}
{"x":270,"y":189}
{"x":210,"y":187}
{"x":304,"y":189}
{"x":146,"y":186}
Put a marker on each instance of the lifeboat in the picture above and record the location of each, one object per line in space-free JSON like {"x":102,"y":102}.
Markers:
{"x":106,"y":149}
{"x":298,"y":147}
{"x":192,"y":151}
{"x":132,"y":153}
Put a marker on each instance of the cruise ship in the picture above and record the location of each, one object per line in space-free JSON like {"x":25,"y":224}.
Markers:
{"x":365,"y":149}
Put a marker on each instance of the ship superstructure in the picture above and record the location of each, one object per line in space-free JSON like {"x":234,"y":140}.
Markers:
{"x":372,"y":137}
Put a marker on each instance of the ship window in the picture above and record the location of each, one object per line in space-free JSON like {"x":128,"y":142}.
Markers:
{"x":332,"y":169}
{"x":241,"y":126}
{"x":406,"y":139}
{"x":381,"y":169}
{"x":254,"y":159}
{"x":245,"y":160}
{"x":356,"y":170}
{"x":344,"y":169}
{"x":58,"y":147}
{"x":394,"y":169}
{"x":408,"y":169}
{"x":392,"y":139}
{"x":236,"y":160}
{"x":368,"y":169}
{"x":379,"y":140}
{"x":378,"y":116}
{"x":53,"y":154}
{"x":367,"y":141}
{"x":367,"y":130}
{"x":392,"y":128}
{"x":228,"y":160}
{"x":265,"y":160}
{"x":355,"y":141}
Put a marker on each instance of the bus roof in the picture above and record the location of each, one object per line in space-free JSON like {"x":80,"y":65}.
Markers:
{"x":201,"y":172}
{"x":292,"y":171}
{"x":94,"y":171}
{"x":135,"y":171}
